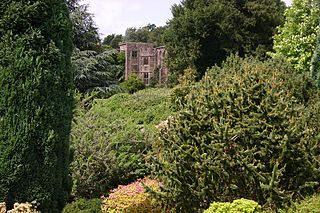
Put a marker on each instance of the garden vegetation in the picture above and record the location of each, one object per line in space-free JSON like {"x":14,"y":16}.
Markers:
{"x":238,"y":133}
{"x":249,"y":129}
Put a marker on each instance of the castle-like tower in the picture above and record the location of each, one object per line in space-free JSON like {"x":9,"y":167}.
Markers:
{"x":143,"y":59}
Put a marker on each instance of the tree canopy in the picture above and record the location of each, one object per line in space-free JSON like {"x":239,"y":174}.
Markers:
{"x":204,"y":32}
{"x":150,"y":33}
{"x":97,"y":71}
{"x":296,"y":39}
{"x":113,"y":40}
{"x":85,"y":32}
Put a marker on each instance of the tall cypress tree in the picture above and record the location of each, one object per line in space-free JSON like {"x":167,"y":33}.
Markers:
{"x":36,"y":102}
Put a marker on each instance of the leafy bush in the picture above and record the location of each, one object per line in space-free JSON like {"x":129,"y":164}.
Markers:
{"x":83,"y":206}
{"x":132,"y":84}
{"x":132,"y":198}
{"x":237,"y":206}
{"x":36,"y":103}
{"x":249,"y":129}
{"x":296,"y":39}
{"x":110,"y":140}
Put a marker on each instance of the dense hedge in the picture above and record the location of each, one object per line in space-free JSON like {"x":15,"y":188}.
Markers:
{"x":36,"y":102}
{"x":249,"y":129}
{"x":110,"y":140}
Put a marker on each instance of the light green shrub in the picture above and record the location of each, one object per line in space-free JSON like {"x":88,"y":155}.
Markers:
{"x":132,"y":84}
{"x":296,"y":39}
{"x":237,"y":206}
{"x":112,"y":139}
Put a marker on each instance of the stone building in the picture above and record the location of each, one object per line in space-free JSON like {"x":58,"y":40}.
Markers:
{"x":146,"y":61}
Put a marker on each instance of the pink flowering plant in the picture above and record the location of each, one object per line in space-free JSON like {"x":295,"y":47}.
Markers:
{"x":132,"y":198}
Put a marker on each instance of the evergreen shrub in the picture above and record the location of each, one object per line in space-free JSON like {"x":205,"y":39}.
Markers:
{"x":84,"y":206}
{"x":180,"y":91}
{"x":249,"y":129}
{"x":237,"y":206}
{"x":309,"y":204}
{"x":36,"y":103}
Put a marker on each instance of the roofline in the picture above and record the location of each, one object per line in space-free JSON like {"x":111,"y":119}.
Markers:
{"x":130,"y":42}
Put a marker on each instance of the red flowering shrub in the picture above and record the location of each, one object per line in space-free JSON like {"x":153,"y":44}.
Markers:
{"x":132,"y":198}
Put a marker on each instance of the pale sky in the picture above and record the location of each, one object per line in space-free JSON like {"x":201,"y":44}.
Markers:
{"x":115,"y":16}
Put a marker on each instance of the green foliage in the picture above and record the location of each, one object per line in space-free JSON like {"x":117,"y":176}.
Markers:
{"x":36,"y":102}
{"x":112,"y":41}
{"x":296,"y":39}
{"x":249,"y":129}
{"x":97,"y":71}
{"x":315,"y":63}
{"x":155,"y":79}
{"x":203,"y":33}
{"x":179,"y":93}
{"x":132,"y":198}
{"x":308,"y":205}
{"x":132,"y":84}
{"x":150,"y":33}
{"x":237,"y":206}
{"x":84,"y":206}
{"x":85,"y":32}
{"x":110,"y":140}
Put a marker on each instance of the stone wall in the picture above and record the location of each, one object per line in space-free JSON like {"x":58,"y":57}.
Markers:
{"x":142,"y":59}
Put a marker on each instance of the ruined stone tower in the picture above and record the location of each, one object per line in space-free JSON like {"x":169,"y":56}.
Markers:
{"x":143,"y":60}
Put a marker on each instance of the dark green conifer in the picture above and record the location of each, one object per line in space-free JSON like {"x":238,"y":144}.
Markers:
{"x":247,"y":130}
{"x":36,"y":102}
